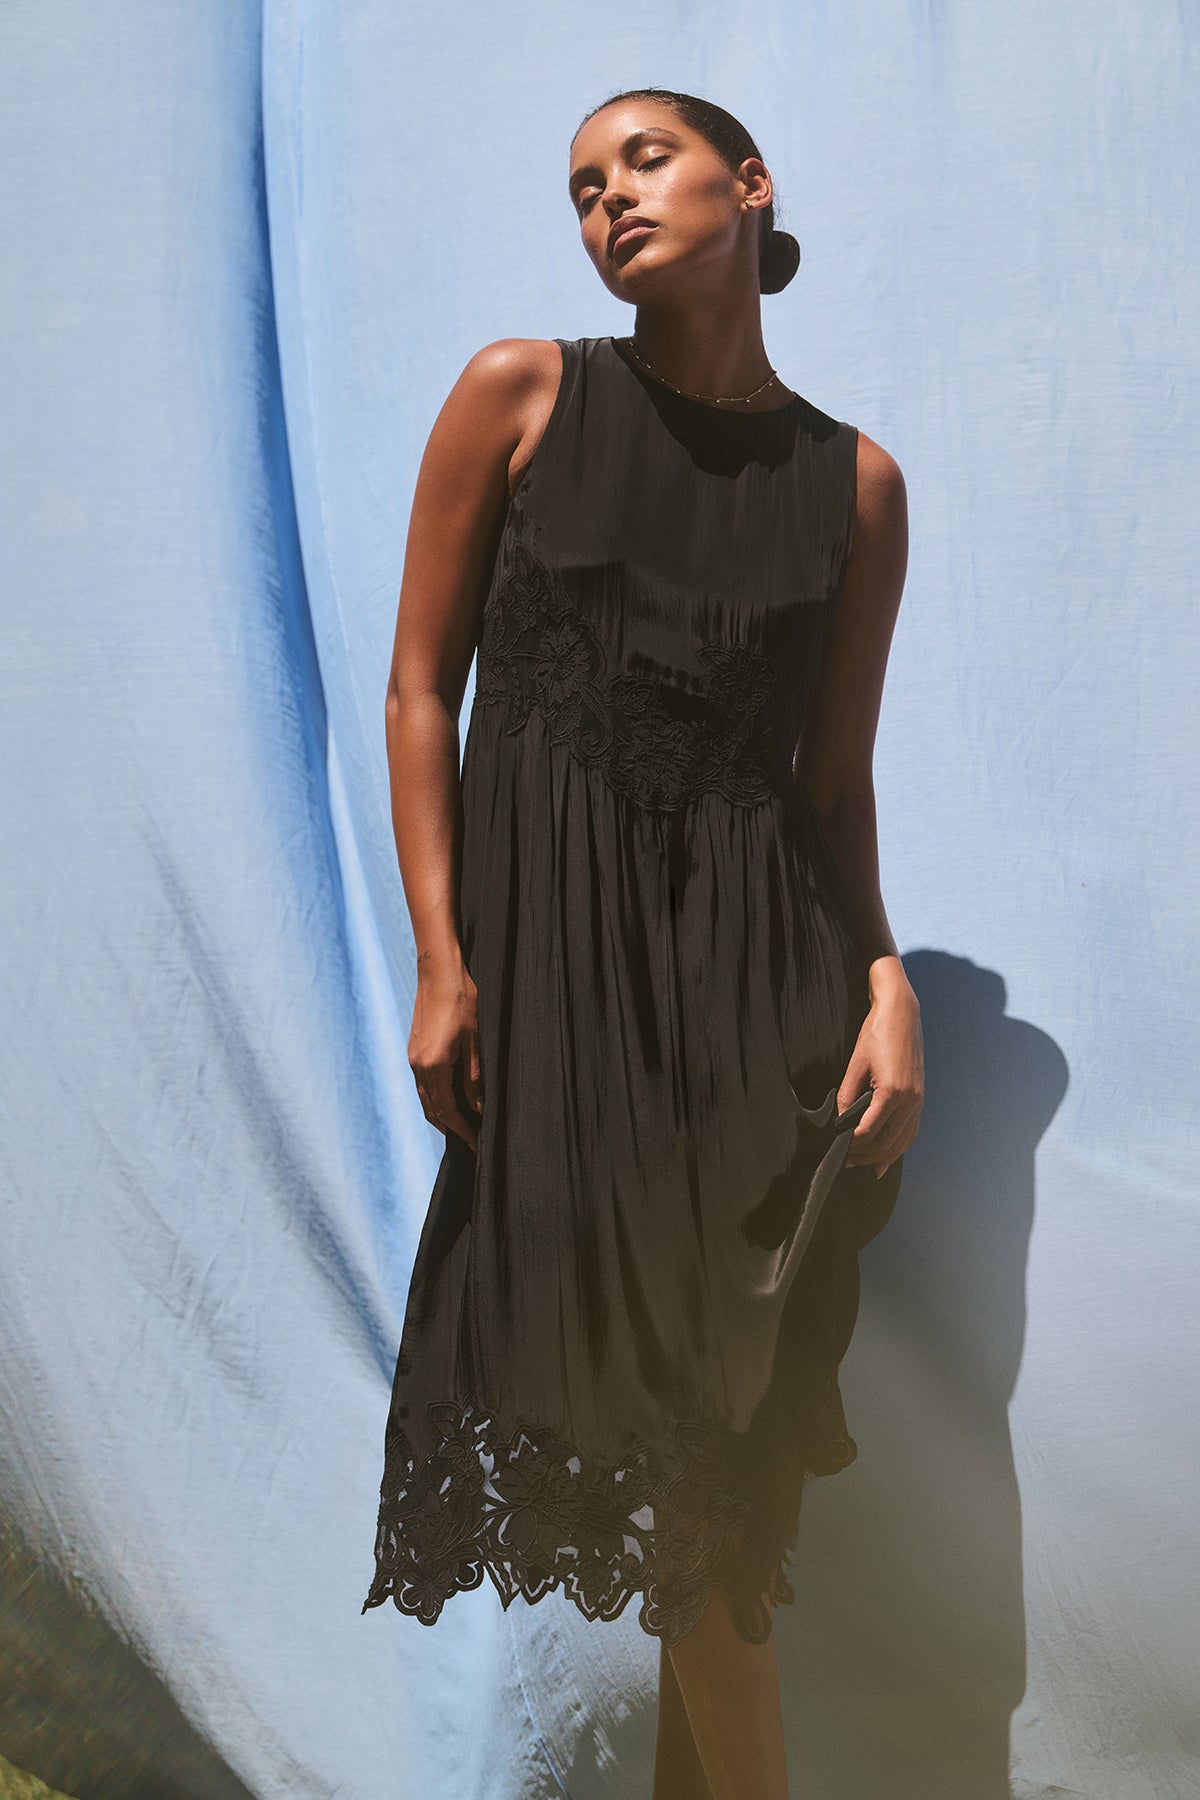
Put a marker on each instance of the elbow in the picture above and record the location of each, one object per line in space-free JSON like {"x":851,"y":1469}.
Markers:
{"x":391,"y":712}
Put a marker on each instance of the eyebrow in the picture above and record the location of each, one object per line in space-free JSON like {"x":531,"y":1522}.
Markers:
{"x":635,"y":138}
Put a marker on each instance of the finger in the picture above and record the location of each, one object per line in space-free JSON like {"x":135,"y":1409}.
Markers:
{"x":472,"y":1082}
{"x":856,"y":1078}
{"x":430,"y":1108}
{"x":864,"y":1139}
{"x":893,"y":1137}
{"x":464,"y":1128}
{"x":899,"y":1132}
{"x":437,"y":1099}
{"x":440,"y":1082}
{"x":872,"y":1121}
{"x":446,"y":1121}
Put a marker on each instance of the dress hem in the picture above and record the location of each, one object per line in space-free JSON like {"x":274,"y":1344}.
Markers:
{"x":528,"y":1512}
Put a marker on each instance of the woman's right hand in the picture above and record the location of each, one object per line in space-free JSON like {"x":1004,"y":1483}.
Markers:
{"x":444,"y":1043}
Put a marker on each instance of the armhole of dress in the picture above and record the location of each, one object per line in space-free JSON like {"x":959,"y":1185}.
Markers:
{"x":851,"y":506}
{"x":566,"y":382}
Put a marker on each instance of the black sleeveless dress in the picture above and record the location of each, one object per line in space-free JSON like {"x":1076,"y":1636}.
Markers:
{"x":620,"y":1350}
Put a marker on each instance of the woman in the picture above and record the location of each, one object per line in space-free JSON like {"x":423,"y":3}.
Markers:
{"x":660,"y":1015}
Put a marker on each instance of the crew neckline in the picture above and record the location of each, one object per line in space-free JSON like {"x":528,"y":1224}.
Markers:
{"x":706,"y":406}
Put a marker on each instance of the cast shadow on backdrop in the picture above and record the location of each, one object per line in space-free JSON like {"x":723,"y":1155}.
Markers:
{"x":902,"y":1682}
{"x":80,"y":1708}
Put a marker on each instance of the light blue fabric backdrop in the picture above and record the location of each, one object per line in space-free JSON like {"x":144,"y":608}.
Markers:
{"x":245,"y":258}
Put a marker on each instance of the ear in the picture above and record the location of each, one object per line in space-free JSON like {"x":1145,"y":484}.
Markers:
{"x":757,"y":186}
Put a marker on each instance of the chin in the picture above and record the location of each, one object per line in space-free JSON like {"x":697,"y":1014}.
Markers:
{"x":630,"y":280}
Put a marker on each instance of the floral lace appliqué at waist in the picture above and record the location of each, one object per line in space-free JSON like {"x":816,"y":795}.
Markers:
{"x":660,"y":745}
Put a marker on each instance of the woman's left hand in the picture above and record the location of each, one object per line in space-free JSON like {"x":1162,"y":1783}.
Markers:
{"x":889,"y":1055}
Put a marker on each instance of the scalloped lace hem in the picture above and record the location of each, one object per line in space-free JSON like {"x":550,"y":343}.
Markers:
{"x":528,"y":1512}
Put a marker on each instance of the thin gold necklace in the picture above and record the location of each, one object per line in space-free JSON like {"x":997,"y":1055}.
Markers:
{"x":713,"y":399}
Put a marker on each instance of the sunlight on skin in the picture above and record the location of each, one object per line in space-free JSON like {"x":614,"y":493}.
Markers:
{"x":730,"y":1689}
{"x":678,"y":1771}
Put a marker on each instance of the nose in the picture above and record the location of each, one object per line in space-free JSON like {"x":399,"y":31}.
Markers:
{"x":616,"y":202}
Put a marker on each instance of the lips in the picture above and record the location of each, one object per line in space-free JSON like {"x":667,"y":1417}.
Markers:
{"x":633,"y":225}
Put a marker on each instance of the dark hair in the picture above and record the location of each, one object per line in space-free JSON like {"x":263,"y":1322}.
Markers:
{"x":778,"y":251}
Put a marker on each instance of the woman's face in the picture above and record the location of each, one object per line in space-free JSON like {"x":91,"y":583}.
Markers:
{"x":637,"y":157}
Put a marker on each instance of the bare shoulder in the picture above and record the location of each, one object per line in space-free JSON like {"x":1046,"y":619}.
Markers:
{"x":511,"y":372}
{"x":513,"y":361}
{"x":879,"y":530}
{"x":505,"y":395}
{"x":463,"y":486}
{"x":881,"y":491}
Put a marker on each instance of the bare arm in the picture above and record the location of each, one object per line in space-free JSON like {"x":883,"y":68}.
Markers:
{"x":838,"y":750}
{"x":836,"y":761}
{"x":458,"y":508}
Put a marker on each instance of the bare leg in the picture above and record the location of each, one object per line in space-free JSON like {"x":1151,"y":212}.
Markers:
{"x":730,"y":1690}
{"x":678,"y":1771}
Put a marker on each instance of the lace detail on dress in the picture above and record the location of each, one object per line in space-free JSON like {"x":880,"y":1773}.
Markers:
{"x":527,"y":1512}
{"x":659,"y":744}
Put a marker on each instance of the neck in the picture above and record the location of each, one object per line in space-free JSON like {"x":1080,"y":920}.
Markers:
{"x":705,"y":353}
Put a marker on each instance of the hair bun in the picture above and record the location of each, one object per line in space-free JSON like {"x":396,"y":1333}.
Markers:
{"x":778,"y":260}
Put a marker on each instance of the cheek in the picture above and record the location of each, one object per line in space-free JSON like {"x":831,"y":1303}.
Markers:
{"x":594,"y":233}
{"x":697,"y":208}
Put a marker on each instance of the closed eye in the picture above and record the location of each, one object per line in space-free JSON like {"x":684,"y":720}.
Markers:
{"x":586,"y":203}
